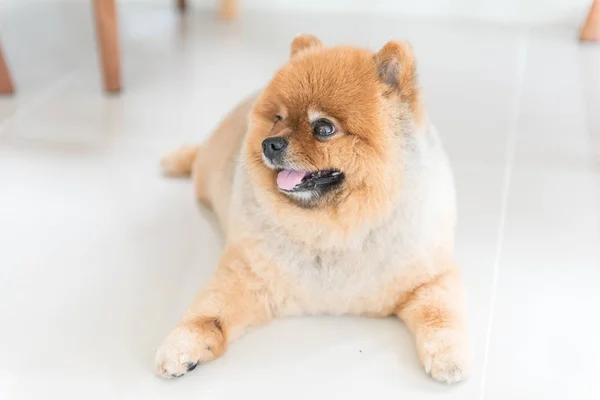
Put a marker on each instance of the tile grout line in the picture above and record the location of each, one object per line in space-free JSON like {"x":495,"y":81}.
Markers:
{"x":42,"y":94}
{"x":510,"y":156}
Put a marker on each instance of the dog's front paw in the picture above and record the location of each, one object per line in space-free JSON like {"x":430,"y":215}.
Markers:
{"x":446,"y":356}
{"x":187,"y":346}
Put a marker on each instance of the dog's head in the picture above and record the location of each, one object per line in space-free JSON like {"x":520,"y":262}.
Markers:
{"x":325,"y":134}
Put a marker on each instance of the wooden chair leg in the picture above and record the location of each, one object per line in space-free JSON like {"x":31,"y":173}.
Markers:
{"x":6,"y":85}
{"x":591,"y":29}
{"x":182,"y":4}
{"x":228,"y":9}
{"x":107,"y":33}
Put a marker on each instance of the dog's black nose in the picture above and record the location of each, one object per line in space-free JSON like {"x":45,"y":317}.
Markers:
{"x":273,"y":147}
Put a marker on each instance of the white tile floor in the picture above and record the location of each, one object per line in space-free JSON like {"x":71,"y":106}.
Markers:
{"x":100,"y":255}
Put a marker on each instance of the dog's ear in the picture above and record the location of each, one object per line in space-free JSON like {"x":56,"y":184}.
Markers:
{"x":396,"y":65}
{"x":304,"y":42}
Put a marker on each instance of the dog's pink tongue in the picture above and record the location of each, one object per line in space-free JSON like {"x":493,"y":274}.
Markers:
{"x":288,"y":178}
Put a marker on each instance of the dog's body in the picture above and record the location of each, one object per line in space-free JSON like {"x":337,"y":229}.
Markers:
{"x":387,"y":253}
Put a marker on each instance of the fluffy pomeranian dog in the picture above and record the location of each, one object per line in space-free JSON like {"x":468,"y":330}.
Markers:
{"x":335,"y":197}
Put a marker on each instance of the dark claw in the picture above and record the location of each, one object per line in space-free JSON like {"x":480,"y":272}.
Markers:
{"x":176,"y":375}
{"x":191,"y":367}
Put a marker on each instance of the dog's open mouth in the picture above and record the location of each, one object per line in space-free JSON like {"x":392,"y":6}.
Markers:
{"x":290,"y":180}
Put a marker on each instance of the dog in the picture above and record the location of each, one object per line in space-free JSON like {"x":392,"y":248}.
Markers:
{"x":335,"y":197}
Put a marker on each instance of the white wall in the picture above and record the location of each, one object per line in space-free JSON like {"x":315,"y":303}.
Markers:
{"x":527,"y":11}
{"x":519,"y":11}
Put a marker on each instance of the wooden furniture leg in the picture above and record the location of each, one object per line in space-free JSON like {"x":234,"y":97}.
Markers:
{"x":105,"y":13}
{"x":591,"y":29}
{"x":6,"y":86}
{"x":228,"y":9}
{"x":182,"y":4}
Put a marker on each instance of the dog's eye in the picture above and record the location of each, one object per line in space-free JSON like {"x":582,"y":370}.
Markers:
{"x":323,"y":128}
{"x":278,"y":118}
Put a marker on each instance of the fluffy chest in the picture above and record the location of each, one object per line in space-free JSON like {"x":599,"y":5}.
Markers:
{"x":334,"y":271}
{"x":368,"y":276}
{"x":355,"y":280}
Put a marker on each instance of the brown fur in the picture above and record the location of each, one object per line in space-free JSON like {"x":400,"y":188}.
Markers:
{"x":352,"y":99}
{"x":379,"y":244}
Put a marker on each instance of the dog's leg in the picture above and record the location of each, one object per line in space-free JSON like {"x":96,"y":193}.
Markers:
{"x":233,"y":300}
{"x":434,"y":314}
